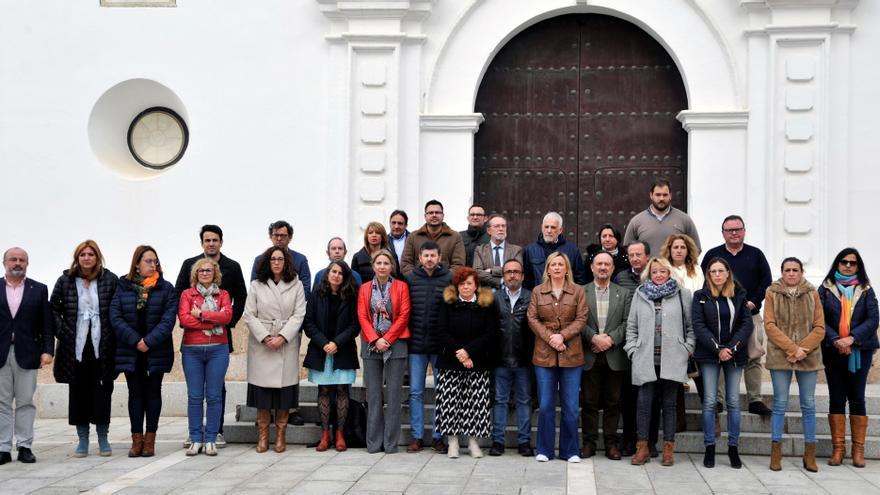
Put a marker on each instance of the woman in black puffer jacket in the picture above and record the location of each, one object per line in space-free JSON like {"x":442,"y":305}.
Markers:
{"x":722,"y":324}
{"x":143,"y":313}
{"x":86,"y":350}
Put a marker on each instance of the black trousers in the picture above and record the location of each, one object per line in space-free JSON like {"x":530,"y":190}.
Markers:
{"x":845,"y":387}
{"x":601,"y":388}
{"x":144,"y":397}
{"x":89,"y":400}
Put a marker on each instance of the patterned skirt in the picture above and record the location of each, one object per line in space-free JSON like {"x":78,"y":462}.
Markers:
{"x":463,"y":403}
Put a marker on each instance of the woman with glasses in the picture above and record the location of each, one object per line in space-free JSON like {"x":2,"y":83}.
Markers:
{"x":274,"y":312}
{"x":795,"y":326}
{"x":143,"y":313}
{"x":851,"y":318}
{"x":204,"y":312}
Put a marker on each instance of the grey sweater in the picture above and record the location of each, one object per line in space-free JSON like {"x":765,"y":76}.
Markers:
{"x":646,"y":228}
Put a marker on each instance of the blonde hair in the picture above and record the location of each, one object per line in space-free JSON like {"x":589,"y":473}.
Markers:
{"x":75,"y":269}
{"x":554,"y":255}
{"x":663,"y":262}
{"x":690,"y":261}
{"x":386,"y":253}
{"x":379,"y":229}
{"x":194,"y":271}
{"x":729,"y":287}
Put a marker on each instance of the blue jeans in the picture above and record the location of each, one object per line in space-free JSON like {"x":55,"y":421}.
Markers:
{"x":807,"y":385}
{"x":519,"y":380}
{"x":732,"y":374}
{"x":204,"y":368}
{"x":418,"y":369}
{"x":566,"y":381}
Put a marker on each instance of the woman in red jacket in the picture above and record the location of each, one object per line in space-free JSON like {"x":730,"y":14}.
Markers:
{"x":383,"y":311}
{"x":204,"y":312}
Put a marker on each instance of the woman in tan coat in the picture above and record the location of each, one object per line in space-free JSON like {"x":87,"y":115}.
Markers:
{"x":795,"y":326}
{"x":274,"y":312}
{"x":557,"y":315}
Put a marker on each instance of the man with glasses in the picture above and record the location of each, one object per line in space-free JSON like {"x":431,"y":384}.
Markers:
{"x":489,"y":258}
{"x":434,"y":229}
{"x":232,"y":281}
{"x":751,"y":270}
{"x":475,"y":235}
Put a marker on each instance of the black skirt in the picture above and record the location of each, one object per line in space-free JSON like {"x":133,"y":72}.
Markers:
{"x":273,"y":398}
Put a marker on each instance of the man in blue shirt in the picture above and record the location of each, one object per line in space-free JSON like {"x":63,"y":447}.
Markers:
{"x":336,"y":251}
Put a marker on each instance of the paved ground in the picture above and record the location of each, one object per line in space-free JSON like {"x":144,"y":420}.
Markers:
{"x":238,"y":469}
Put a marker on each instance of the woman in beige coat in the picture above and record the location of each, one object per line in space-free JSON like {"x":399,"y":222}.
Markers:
{"x":274,"y":312}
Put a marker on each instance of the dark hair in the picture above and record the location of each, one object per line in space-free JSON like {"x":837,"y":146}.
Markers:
{"x":348,"y":289}
{"x":281,"y":224}
{"x":139,"y":253}
{"x":433,"y":202}
{"x":513,"y":260}
{"x":643,"y":243}
{"x":401,"y":213}
{"x":429,"y":245}
{"x":476,"y":205}
{"x":660,"y":182}
{"x":614,"y":232}
{"x":264,"y":273}
{"x":791,"y":259}
{"x":732,"y":217}
{"x":462,"y":274}
{"x":337,"y":239}
{"x":212,"y":228}
{"x":862,"y":274}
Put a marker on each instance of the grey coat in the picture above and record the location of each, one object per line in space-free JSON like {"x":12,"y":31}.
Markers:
{"x":678,"y":343}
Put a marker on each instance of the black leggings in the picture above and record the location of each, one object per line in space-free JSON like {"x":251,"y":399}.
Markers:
{"x":844,"y":386}
{"x":324,"y":392}
{"x":144,"y":397}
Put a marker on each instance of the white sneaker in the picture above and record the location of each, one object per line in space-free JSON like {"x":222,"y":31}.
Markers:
{"x":452,"y":451}
{"x":541,"y":458}
{"x":474,"y":448}
{"x":574,"y":459}
{"x":194,"y":449}
{"x":187,"y":442}
{"x":211,"y":448}
{"x":220,"y":442}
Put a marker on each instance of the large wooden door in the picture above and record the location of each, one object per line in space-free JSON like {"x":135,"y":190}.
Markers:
{"x":580,"y":118}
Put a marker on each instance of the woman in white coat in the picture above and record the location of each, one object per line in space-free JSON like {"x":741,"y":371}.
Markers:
{"x":275,"y":309}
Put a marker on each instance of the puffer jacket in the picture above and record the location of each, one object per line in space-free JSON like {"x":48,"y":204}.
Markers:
{"x":472,"y":326}
{"x":65,"y":309}
{"x":793,"y":320}
{"x":704,"y":315}
{"x":426,"y":301}
{"x":161,"y":315}
{"x":863,"y":321}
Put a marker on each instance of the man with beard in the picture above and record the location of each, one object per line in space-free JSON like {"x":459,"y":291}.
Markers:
{"x":476,"y":234}
{"x":660,"y":220}
{"x":434,"y":229}
{"x":550,"y":240}
{"x":489,"y":258}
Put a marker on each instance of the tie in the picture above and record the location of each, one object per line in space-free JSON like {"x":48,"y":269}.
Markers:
{"x":497,"y":255}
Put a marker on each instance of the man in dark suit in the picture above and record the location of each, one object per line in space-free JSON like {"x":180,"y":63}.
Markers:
{"x":397,"y":235}
{"x":605,"y":363}
{"x":27,"y":342}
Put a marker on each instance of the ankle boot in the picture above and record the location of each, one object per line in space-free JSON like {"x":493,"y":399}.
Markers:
{"x":82,"y":448}
{"x":452,"y":450}
{"x":858,"y":426}
{"x":137,"y":445}
{"x":733,"y":455}
{"x":340,"y":441}
{"x":837,"y":422}
{"x":668,"y":453}
{"x":709,"y":456}
{"x":474,"y":448}
{"x":281,"y":416}
{"x":262,"y":430}
{"x":149,"y":444}
{"x":642,"y":454}
{"x":810,"y":457}
{"x":104,"y":449}
{"x":776,"y":456}
{"x":324,"y":444}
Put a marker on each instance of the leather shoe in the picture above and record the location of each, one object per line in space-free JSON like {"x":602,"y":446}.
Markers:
{"x":652,"y":448}
{"x":588,"y":450}
{"x":758,"y":407}
{"x":438,"y":446}
{"x":5,"y":457}
{"x":415,"y":446}
{"x":497,"y":449}
{"x":525,"y":450}
{"x":612,"y":452}
{"x":629,"y":448}
{"x":26,"y":456}
{"x":295,"y":419}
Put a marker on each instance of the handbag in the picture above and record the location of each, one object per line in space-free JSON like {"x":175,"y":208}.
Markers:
{"x":755,"y":345}
{"x":693,"y":370}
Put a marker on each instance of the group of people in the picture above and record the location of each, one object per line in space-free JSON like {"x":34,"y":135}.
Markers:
{"x":615,"y":330}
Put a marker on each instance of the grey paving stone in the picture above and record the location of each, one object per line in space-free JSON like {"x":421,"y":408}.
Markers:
{"x":338,"y":473}
{"x":672,"y":488}
{"x":167,"y":481}
{"x":384,"y":482}
{"x":25,"y":485}
{"x":840,"y":486}
{"x":431,"y":489}
{"x":321,"y":487}
{"x":139,"y":490}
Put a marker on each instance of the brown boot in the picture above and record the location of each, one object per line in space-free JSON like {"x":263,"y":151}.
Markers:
{"x":642,"y":454}
{"x":837,"y":422}
{"x":263,"y":417}
{"x":776,"y":456}
{"x":668,"y":453}
{"x":810,"y":458}
{"x":858,"y":426}
{"x":149,"y":444}
{"x":340,"y":442}
{"x":137,"y":445}
{"x":281,"y":416}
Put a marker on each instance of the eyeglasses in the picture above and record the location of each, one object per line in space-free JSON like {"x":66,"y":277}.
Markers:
{"x":513,"y":272}
{"x":205,"y":270}
{"x":733,"y":231}
{"x":849,"y":263}
{"x":276,"y":260}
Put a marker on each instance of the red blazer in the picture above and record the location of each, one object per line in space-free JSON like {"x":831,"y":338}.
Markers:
{"x":399,"y":312}
{"x":192,"y":326}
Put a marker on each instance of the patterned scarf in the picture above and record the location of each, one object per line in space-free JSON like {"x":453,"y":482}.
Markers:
{"x":210,"y":304}
{"x":380,"y":309}
{"x":655,"y":292}
{"x":143,"y":287}
{"x":847,"y":286}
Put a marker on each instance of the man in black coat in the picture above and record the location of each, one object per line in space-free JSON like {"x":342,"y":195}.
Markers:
{"x":27,"y":341}
{"x":232,"y":281}
{"x":426,"y":284}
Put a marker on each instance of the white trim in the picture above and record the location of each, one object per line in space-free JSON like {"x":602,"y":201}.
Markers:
{"x":732,"y":119}
{"x":469,"y":122}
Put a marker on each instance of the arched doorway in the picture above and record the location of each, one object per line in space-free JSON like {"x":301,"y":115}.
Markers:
{"x":580,"y":116}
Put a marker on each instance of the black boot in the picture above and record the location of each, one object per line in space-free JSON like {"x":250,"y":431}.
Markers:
{"x":709,"y":456}
{"x":733,"y":454}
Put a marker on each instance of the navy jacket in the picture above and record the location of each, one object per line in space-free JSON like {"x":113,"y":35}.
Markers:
{"x":426,"y":300}
{"x":536,"y":253}
{"x":161,"y":315}
{"x":750,"y":268}
{"x":300,"y":263}
{"x":33,"y":326}
{"x":862,"y":324}
{"x":704,"y":316}
{"x":317,"y":328}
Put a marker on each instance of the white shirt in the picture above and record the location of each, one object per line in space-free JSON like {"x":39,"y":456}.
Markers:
{"x":514,"y":296}
{"x":500,"y":247}
{"x":398,"y":244}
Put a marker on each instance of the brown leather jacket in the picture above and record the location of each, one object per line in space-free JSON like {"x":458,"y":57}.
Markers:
{"x":567,"y":316}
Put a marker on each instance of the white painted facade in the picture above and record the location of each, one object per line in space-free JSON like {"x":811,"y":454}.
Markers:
{"x":332,"y":113}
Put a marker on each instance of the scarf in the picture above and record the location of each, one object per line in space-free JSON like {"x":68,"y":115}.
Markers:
{"x":380,"y":309}
{"x":656,"y":292}
{"x":210,"y":304}
{"x":143,"y":287}
{"x":847,"y":285}
{"x":88,"y":321}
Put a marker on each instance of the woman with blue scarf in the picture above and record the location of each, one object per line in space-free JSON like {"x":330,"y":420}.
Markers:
{"x":851,"y":319}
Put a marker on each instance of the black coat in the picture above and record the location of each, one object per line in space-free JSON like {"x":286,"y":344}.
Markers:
{"x":472,"y":326}
{"x":161,"y":315}
{"x":473,"y":238}
{"x":363,"y":265}
{"x":33,"y":326}
{"x":517,"y":341}
{"x":65,"y":309}
{"x":863,"y":321}
{"x":704,"y":316}
{"x":426,"y":301}
{"x":317,"y":328}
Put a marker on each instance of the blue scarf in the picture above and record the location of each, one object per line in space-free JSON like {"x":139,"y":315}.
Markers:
{"x":655,"y":292}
